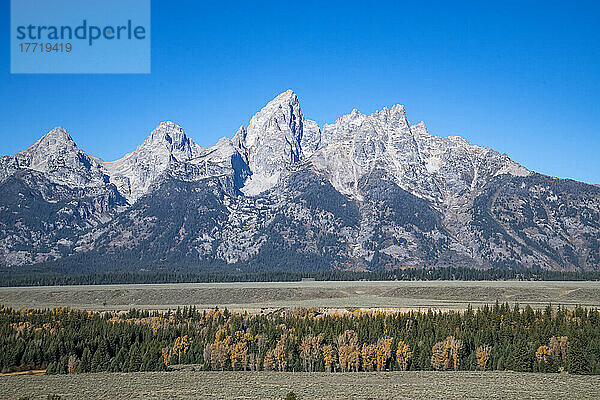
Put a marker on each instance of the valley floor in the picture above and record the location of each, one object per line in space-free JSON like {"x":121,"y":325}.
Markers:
{"x":307,"y":386}
{"x":265,"y":296}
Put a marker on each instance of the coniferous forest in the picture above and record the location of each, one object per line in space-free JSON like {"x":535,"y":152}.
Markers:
{"x":24,"y":276}
{"x":498,"y":337}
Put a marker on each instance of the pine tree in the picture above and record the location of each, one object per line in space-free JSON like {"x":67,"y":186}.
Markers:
{"x":85,"y":364}
{"x":577,"y":361}
{"x":520,"y":359}
{"x":135,"y":359}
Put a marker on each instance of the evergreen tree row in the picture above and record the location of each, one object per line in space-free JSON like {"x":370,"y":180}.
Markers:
{"x":33,"y":277}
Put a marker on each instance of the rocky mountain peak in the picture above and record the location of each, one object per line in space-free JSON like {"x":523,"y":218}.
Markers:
{"x":164,"y":150}
{"x":395,"y":110}
{"x":239,"y":142}
{"x":170,"y":131}
{"x":170,"y":138}
{"x":57,"y":140}
{"x":419,"y":129}
{"x":56,"y":155}
{"x":355,"y":116}
{"x":285,"y":98}
{"x":282,"y":114}
{"x":240,"y":135}
{"x":272,"y":141}
{"x":58,"y":134}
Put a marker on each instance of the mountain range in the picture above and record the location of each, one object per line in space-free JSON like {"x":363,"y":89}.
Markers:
{"x":364,"y":193}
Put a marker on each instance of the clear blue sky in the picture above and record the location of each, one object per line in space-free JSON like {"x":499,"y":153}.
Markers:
{"x":520,"y":77}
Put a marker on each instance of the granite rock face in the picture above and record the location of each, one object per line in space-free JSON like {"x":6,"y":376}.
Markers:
{"x":56,"y":156}
{"x":366,"y":192}
{"x":272,"y":142}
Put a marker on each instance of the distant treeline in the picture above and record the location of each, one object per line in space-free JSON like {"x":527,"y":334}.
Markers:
{"x":496,"y":337}
{"x":15,"y":277}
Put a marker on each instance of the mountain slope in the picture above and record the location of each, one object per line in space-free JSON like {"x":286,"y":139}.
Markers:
{"x":41,"y":220}
{"x":366,"y":192}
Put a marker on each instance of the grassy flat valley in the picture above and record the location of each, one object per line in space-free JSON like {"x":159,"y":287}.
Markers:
{"x":355,"y":294}
{"x":307,"y":386}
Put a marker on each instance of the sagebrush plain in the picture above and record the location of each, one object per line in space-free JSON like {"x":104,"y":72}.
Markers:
{"x":255,"y":296}
{"x":188,"y":385}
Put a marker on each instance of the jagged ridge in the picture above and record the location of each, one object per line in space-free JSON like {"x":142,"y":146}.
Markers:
{"x":368,"y":191}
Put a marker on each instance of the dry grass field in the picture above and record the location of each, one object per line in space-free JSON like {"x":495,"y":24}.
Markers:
{"x":256,"y":296}
{"x":308,"y":386}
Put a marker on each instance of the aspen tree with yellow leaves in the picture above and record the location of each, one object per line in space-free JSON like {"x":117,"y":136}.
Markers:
{"x":329,"y":357}
{"x":403,"y":355}
{"x":348,"y":351}
{"x":368,"y":354}
{"x":446,"y":352}
{"x":482,"y":355}
{"x":383,"y":352}
{"x":543,"y":353}
{"x":181,"y":346}
{"x":279,"y":354}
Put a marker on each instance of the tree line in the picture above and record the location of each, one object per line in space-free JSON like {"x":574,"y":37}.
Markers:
{"x":498,"y":337}
{"x":23,"y":276}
